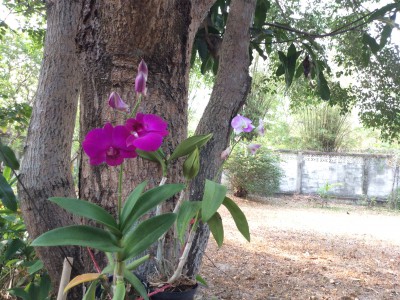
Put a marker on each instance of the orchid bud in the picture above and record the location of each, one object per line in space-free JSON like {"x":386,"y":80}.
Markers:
{"x":225,"y":153}
{"x":260,"y":128}
{"x":117,"y":103}
{"x":140,"y":83}
{"x":253,"y":148}
{"x":143,"y":69}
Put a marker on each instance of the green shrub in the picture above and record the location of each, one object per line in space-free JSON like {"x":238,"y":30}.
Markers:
{"x":255,"y":174}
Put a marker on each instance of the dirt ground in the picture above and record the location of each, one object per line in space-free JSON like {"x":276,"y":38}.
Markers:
{"x":300,"y":250}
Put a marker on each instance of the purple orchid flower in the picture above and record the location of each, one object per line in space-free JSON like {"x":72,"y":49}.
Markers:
{"x":253,"y":148}
{"x":108,"y":144}
{"x":260,"y":128}
{"x":241,"y":124}
{"x":116,"y":102}
{"x":146,"y":132}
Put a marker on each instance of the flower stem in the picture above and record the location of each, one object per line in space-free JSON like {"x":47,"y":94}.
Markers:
{"x":136,"y":107}
{"x":121,"y":171}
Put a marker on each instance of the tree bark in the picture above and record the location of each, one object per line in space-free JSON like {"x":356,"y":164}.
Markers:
{"x":229,"y":94}
{"x":113,"y":37}
{"x":46,"y":169}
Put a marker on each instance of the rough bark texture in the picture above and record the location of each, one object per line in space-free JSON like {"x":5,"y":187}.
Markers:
{"x":46,"y":170}
{"x":113,"y":37}
{"x":230,"y":91}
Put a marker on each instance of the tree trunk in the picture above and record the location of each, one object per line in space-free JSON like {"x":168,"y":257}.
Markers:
{"x":113,"y":37}
{"x":229,"y":94}
{"x":46,"y":169}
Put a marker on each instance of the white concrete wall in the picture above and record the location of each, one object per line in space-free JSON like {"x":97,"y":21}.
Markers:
{"x":355,"y":175}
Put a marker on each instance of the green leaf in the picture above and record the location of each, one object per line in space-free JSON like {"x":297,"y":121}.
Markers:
{"x":201,"y":280}
{"x":260,"y":14}
{"x":44,"y":287}
{"x":131,"y":201}
{"x":136,"y":283}
{"x":216,"y":228}
{"x":19,"y":292}
{"x":156,"y":156}
{"x":79,"y":235}
{"x":7,"y":195}
{"x":323,"y":87}
{"x":8,"y":157}
{"x":290,"y":67}
{"x":214,"y":194}
{"x":136,"y":263}
{"x":187,"y":146}
{"x":299,"y":71}
{"x":385,"y":34}
{"x":238,"y":216}
{"x":280,"y":71}
{"x":191,"y":166}
{"x":187,"y":212}
{"x":383,"y":10}
{"x":37,"y":266}
{"x":91,"y":291}
{"x":13,"y":247}
{"x":149,"y":200}
{"x":206,"y":64}
{"x":370,"y":41}
{"x":7,"y":172}
{"x":119,"y":290}
{"x":145,"y":234}
{"x":88,"y":210}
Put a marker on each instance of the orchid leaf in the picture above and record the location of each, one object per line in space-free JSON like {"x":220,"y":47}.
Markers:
{"x":191,"y":165}
{"x":119,"y":290}
{"x":131,"y":201}
{"x":136,"y":283}
{"x":79,"y":235}
{"x":187,"y":212}
{"x":88,"y":210}
{"x":91,"y":291}
{"x":145,"y":234}
{"x":238,"y":216}
{"x":189,"y":145}
{"x":149,"y":200}
{"x":156,"y":156}
{"x":216,"y":228}
{"x":214,"y":194}
{"x":82,"y":279}
{"x":136,"y":263}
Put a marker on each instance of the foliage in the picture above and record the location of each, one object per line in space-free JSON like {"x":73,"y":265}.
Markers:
{"x":380,"y":101}
{"x":288,"y":32}
{"x":20,"y":60}
{"x":256,"y":174}
{"x":19,"y":267}
{"x":324,"y":191}
{"x":323,"y":128}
